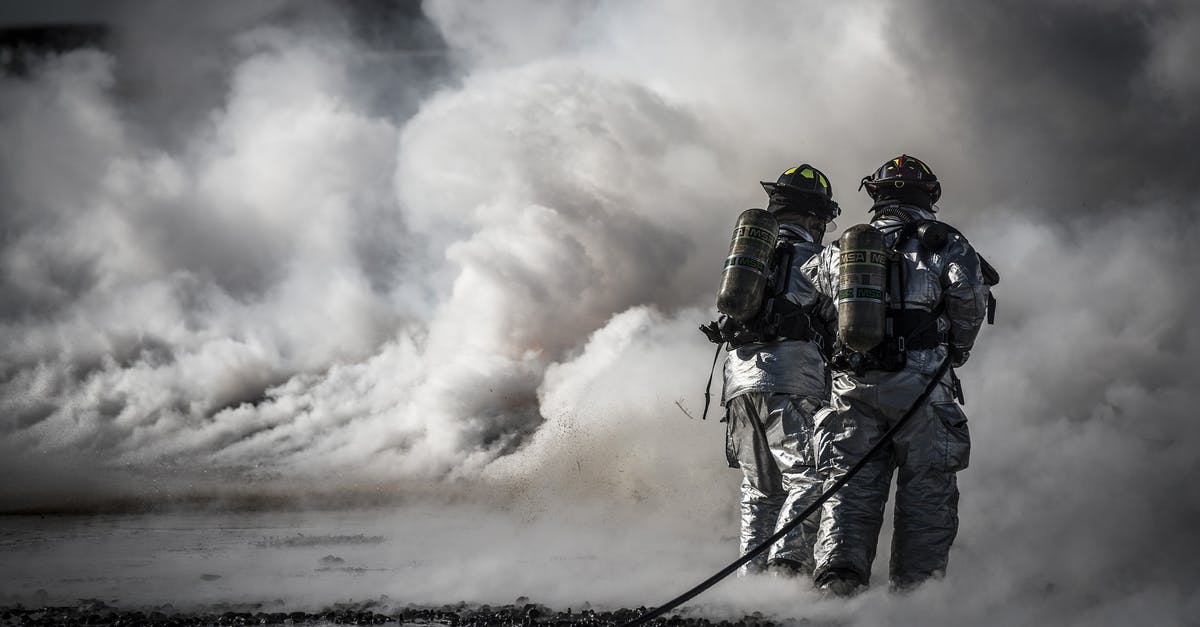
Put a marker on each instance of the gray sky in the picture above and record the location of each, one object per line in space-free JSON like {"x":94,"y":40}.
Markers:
{"x":1085,"y":107}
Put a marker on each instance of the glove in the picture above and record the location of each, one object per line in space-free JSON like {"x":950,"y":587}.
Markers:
{"x":713,"y":332}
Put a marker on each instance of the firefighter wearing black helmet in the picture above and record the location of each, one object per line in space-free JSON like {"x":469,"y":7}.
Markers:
{"x":775,"y":380}
{"x":937,"y":295}
{"x":904,"y":179}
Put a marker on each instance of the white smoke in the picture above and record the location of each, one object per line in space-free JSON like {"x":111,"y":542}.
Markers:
{"x":163,"y":288}
{"x":497,"y":295}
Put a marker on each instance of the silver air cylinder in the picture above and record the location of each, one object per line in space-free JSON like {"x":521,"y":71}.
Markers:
{"x":862,"y":270}
{"x":744,"y":280}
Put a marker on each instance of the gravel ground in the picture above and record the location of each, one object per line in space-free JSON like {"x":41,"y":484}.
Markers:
{"x":461,"y":615}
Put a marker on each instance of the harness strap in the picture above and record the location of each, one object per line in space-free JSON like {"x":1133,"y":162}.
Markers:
{"x":708,"y":386}
{"x":790,"y":321}
{"x":916,"y":328}
{"x":990,"y":277}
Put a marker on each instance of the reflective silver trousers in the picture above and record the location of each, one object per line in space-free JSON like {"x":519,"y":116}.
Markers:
{"x":769,"y":437}
{"x":925,"y":454}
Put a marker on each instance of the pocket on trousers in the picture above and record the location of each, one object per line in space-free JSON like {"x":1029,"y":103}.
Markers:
{"x":731,"y":452}
{"x":826,"y":429}
{"x":954,"y":436}
{"x":803,"y":430}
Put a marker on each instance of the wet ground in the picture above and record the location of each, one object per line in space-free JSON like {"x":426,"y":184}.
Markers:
{"x":420,"y":565}
{"x":460,"y":615}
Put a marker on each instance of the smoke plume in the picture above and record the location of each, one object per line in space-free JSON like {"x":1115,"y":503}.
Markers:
{"x":463,"y":249}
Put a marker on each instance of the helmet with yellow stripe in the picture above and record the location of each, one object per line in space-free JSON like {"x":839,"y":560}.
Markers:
{"x":904,"y":178}
{"x":805,"y":189}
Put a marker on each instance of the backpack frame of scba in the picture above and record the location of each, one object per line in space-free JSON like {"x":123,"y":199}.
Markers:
{"x":750,"y":298}
{"x":875,"y":332}
{"x":755,"y":277}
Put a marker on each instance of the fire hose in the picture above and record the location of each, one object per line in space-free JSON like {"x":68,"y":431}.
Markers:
{"x":793,"y":523}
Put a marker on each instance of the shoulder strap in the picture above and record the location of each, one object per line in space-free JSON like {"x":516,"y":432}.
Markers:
{"x":932,"y":234}
{"x":906,"y":233}
{"x":990,"y":275}
{"x":785,"y":251}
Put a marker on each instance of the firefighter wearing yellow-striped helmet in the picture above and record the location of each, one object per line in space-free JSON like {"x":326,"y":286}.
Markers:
{"x":803,"y":189}
{"x":775,"y":381}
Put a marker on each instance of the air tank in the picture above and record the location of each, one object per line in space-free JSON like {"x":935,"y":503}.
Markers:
{"x":744,"y":279}
{"x":862,"y":272}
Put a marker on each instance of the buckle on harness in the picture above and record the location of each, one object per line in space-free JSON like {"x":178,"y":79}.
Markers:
{"x":773,"y":323}
{"x":956,"y":389}
{"x":900,"y":343}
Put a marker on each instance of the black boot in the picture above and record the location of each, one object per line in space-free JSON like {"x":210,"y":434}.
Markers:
{"x":788,"y":569}
{"x":840,"y":583}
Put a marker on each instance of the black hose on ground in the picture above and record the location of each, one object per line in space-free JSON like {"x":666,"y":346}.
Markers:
{"x":793,"y":523}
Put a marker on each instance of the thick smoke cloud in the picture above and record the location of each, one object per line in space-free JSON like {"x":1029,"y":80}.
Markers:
{"x":1079,"y":107}
{"x":463,"y":251}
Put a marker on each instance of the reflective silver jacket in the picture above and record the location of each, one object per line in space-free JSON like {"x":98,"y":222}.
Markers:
{"x":951,"y":275}
{"x":789,"y":366}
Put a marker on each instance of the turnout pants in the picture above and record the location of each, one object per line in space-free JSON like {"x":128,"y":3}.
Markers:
{"x":769,"y":438}
{"x":925,"y":455}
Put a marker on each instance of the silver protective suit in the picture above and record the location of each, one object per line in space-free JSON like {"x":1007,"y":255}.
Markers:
{"x":934,"y":444}
{"x":772,"y":392}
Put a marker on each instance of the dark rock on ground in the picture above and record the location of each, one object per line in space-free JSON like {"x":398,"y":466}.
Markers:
{"x":521,"y":614}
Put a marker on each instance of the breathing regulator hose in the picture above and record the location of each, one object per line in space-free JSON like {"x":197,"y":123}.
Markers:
{"x":793,"y":523}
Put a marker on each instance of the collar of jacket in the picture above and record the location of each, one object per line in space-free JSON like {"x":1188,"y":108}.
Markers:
{"x":888,"y":212}
{"x":795,"y":231}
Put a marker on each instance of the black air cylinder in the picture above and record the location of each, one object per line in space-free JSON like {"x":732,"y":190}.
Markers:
{"x":744,"y":280}
{"x":862,"y":271}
